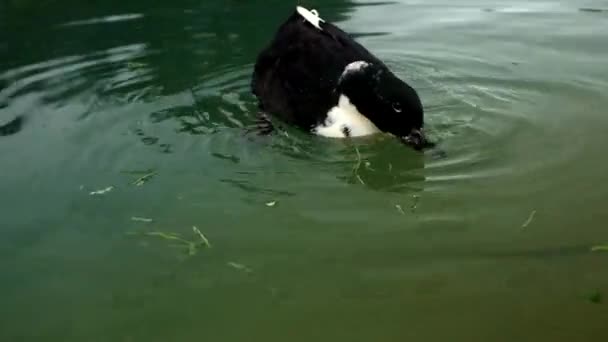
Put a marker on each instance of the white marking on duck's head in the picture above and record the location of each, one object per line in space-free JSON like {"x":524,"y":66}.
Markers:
{"x":311,"y":16}
{"x":344,"y":120}
{"x":356,"y":66}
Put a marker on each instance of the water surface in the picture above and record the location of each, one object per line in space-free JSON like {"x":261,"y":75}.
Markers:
{"x":310,"y":239}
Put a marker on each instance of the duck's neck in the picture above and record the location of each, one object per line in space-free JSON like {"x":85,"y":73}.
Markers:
{"x":344,"y":120}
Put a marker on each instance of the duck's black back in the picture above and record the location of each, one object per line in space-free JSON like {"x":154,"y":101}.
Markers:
{"x":295,"y":76}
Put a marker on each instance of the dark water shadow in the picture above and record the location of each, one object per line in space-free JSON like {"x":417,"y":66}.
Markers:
{"x":12,"y":127}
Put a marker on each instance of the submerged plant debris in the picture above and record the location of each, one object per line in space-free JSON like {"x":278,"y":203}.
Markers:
{"x":145,"y":176}
{"x":357,"y":166}
{"x":529,"y":220}
{"x":141,"y":219}
{"x":191,"y":246}
{"x":239,"y":267}
{"x":400,"y":209}
{"x":143,"y":179}
{"x":600,"y":248}
{"x":203,"y":238}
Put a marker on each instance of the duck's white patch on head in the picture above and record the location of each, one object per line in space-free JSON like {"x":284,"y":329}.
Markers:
{"x":354,"y":67}
{"x":311,"y":16}
{"x":344,"y":120}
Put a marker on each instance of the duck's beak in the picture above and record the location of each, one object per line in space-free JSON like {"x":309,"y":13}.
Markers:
{"x":417,"y":139}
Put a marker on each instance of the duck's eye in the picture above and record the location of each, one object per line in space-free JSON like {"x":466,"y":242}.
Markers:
{"x":397,"y":107}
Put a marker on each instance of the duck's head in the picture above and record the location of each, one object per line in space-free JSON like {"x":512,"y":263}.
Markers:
{"x":391,"y":104}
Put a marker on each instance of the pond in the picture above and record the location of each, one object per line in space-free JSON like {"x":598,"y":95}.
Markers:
{"x":135,"y":207}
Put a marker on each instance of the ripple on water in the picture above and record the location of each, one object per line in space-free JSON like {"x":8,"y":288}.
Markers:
{"x":482,"y":116}
{"x":472,"y":112}
{"x":69,"y":80}
{"x":219,"y":100}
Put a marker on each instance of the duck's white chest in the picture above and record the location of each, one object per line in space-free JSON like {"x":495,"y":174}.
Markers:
{"x":344,"y":120}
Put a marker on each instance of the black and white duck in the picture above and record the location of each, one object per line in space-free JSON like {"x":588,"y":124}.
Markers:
{"x":317,"y":77}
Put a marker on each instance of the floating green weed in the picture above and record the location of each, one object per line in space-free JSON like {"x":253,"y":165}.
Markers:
{"x":141,"y":219}
{"x":529,"y":219}
{"x":191,"y":246}
{"x":101,"y":191}
{"x":357,"y":166}
{"x":146,"y":175}
{"x":239,"y":267}
{"x":600,"y":248}
{"x":400,"y":209}
{"x":143,"y":179}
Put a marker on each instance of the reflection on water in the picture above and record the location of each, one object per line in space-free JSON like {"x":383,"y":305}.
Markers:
{"x":487,"y":236}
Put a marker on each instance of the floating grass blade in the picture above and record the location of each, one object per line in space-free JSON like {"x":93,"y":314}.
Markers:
{"x":529,"y":220}
{"x":143,"y":179}
{"x":600,"y":248}
{"x":191,"y":247}
{"x":101,"y":191}
{"x":141,"y":219}
{"x":400,"y":209}
{"x":168,"y":236}
{"x":239,"y":267}
{"x":203,"y":238}
{"x":357,"y":166}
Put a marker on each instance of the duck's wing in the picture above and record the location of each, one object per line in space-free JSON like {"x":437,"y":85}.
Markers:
{"x":295,"y":76}
{"x":353,"y":50}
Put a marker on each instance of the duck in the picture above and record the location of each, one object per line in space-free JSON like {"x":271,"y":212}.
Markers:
{"x":317,"y":77}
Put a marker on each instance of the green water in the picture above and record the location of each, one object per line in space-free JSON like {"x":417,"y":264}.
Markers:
{"x":489,"y":243}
